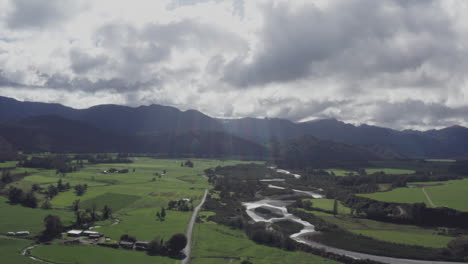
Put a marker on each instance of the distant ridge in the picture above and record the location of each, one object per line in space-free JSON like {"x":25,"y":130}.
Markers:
{"x":155,"y":120}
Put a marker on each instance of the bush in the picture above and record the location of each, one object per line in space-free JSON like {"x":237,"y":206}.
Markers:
{"x":176,"y":243}
{"x":128,"y":238}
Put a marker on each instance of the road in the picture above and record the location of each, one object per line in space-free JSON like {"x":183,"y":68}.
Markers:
{"x":382,"y":259}
{"x":188,"y":249}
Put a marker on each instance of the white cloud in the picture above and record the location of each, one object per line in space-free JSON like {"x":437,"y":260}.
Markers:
{"x":353,"y":60}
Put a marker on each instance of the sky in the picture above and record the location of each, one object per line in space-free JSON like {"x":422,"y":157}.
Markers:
{"x":394,"y":63}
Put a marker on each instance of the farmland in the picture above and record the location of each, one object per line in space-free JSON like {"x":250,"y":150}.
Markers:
{"x":96,"y":255}
{"x":10,"y":251}
{"x":233,"y":246}
{"x":134,"y":197}
{"x":401,"y":234}
{"x":390,"y":171}
{"x":449,"y":194}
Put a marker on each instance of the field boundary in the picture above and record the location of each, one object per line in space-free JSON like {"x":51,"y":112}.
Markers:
{"x":428,"y":197}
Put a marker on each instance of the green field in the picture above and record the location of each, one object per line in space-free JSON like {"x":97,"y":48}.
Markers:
{"x":10,"y":251}
{"x":135,"y":198}
{"x":18,"y":218}
{"x":389,"y":171}
{"x":217,"y":244}
{"x":402,"y":234}
{"x":8,"y":164}
{"x":327,"y":204}
{"x":342,"y":172}
{"x":452,"y":194}
{"x":95,"y":255}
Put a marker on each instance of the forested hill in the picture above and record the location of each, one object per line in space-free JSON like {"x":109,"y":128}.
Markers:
{"x":132,"y":122}
{"x":57,"y":134}
{"x":308,"y":151}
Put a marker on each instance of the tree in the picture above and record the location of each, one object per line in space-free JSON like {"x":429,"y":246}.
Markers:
{"x":189,"y":164}
{"x":459,"y":247}
{"x":80,"y":189}
{"x":52,"y":191}
{"x":106,"y":212}
{"x":128,"y":238}
{"x":163,"y":212}
{"x":53,"y":227}
{"x":60,"y":186}
{"x":176,"y":243}
{"x":155,"y":246}
{"x":76,"y":205}
{"x":46,"y":205}
{"x":93,"y":213}
{"x":15,"y":195}
{"x":335,"y":207}
{"x":30,"y":200}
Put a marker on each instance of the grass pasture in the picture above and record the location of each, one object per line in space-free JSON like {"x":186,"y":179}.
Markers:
{"x":8,"y":164}
{"x":401,"y":234}
{"x":452,"y":194}
{"x":327,"y":204}
{"x":115,"y":201}
{"x":341,"y":172}
{"x":96,"y":255}
{"x":233,"y":246}
{"x":10,"y":251}
{"x":134,"y":197}
{"x":389,"y":171}
{"x":18,"y":218}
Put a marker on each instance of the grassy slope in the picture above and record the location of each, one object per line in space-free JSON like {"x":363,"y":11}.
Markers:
{"x":216,"y":244}
{"x":10,"y":251}
{"x":450,"y":194}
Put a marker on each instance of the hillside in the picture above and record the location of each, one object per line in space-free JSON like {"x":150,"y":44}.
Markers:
{"x":157,"y":120}
{"x":57,"y":134}
{"x":308,"y":151}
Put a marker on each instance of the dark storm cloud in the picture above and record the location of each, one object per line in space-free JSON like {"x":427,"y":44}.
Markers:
{"x":295,"y":109}
{"x":62,"y":82}
{"x":38,"y":13}
{"x":83,"y":63}
{"x":5,"y":82}
{"x":351,"y":40}
{"x":410,"y":113}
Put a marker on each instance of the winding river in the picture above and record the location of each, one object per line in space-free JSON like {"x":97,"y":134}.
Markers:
{"x":280,"y":212}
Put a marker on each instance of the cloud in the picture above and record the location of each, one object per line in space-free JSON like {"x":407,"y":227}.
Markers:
{"x":26,"y":14}
{"x":83,"y":63}
{"x":393,"y":63}
{"x":351,"y":40}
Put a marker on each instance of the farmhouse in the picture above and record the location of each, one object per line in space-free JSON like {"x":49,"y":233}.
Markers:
{"x":74,"y":233}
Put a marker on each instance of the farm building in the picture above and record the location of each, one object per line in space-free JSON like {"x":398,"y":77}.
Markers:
{"x":141,"y":245}
{"x":74,"y":233}
{"x":92,"y":234}
{"x":126,"y":244}
{"x":22,"y":233}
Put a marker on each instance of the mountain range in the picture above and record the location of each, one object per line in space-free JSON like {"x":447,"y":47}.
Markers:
{"x":34,"y":126}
